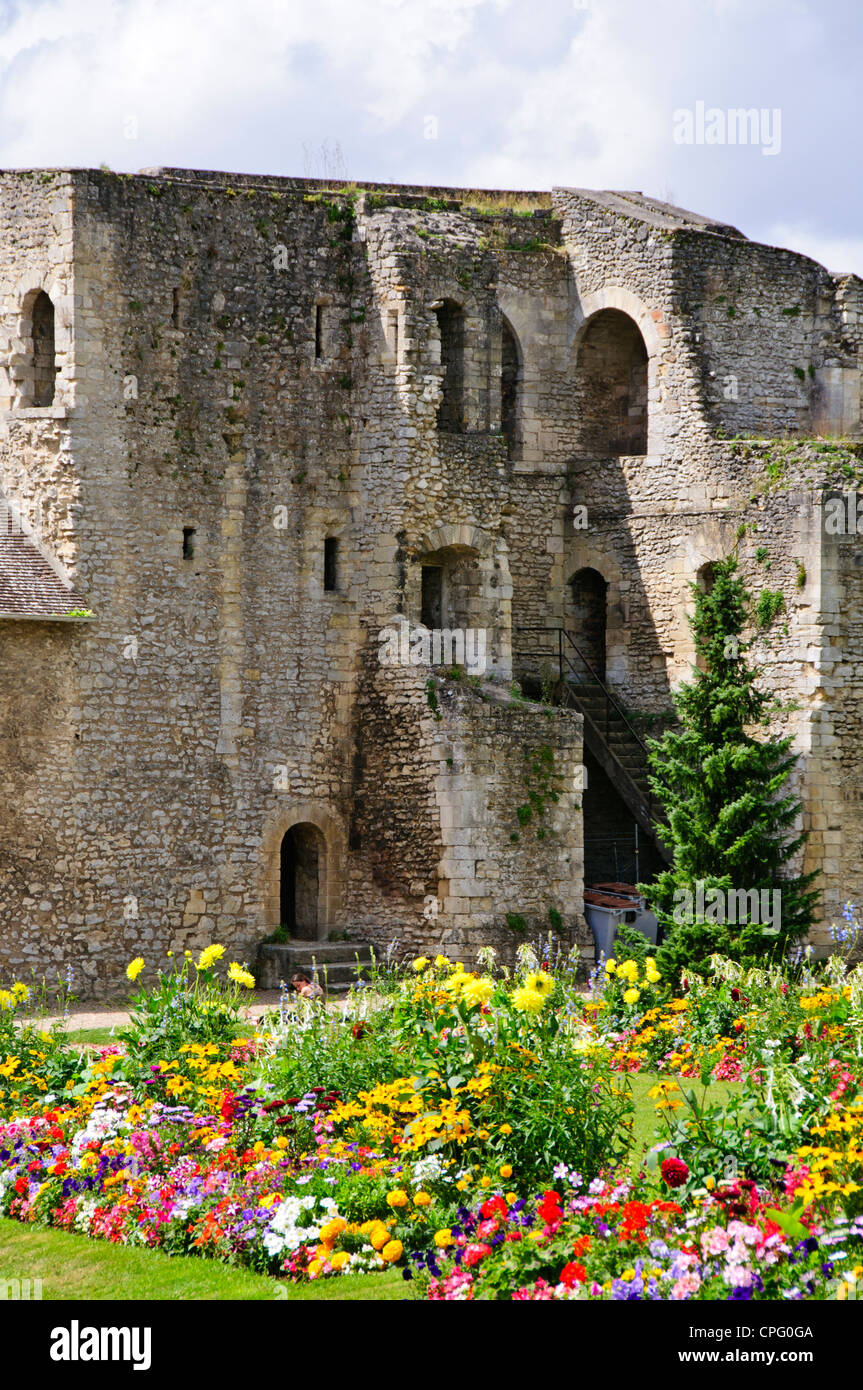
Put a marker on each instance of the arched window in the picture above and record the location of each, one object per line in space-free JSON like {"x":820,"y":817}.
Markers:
{"x":612,"y":386}
{"x":587,"y":619}
{"x":450,"y":319}
{"x":302,"y":878}
{"x":510,"y":376}
{"x":44,"y":370}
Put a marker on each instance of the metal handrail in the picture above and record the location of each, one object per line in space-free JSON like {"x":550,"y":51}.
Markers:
{"x":609,"y":698}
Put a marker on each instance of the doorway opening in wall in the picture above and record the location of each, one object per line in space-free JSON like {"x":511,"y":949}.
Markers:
{"x":587,"y":618}
{"x":301,"y":884}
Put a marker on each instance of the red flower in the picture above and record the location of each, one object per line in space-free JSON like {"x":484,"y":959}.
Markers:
{"x":228,"y":1107}
{"x":572,"y":1274}
{"x":549,"y":1208}
{"x":495,"y":1206}
{"x":674,"y":1172}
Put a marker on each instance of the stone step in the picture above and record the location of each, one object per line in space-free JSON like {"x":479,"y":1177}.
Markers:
{"x":336,"y":964}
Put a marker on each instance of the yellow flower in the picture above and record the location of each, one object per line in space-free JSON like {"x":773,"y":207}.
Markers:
{"x":505,"y":1129}
{"x":610,"y":966}
{"x":443,"y":1239}
{"x":527,"y":1001}
{"x":540,"y":982}
{"x":332,"y":1229}
{"x":240,"y":976}
{"x":506,"y":1170}
{"x":441,"y":961}
{"x":392,"y":1251}
{"x":478,"y":991}
{"x":485,"y":1182}
{"x":631,"y":996}
{"x":20,"y":992}
{"x":315,"y":1268}
{"x":629,"y":971}
{"x":511,"y":1198}
{"x":134,"y":968}
{"x":378,"y":1236}
{"x":422,"y":1199}
{"x":209,"y":956}
{"x":420,"y":963}
{"x":397,"y":1198}
{"x":339,"y":1260}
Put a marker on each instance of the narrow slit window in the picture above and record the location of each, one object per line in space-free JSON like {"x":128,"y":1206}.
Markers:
{"x":331,"y":564}
{"x":394,"y":333}
{"x":175,"y":308}
{"x":188,"y":542}
{"x":319,"y":331}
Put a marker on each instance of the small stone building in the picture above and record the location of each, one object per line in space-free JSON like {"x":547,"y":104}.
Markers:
{"x":250,"y":425}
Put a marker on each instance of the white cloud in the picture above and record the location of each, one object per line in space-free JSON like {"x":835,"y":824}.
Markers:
{"x":836,"y":253}
{"x":526,"y":95}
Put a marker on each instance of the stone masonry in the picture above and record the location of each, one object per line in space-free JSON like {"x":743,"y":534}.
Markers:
{"x":247,"y":422}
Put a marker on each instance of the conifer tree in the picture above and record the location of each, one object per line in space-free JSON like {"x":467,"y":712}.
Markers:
{"x":728,"y":821}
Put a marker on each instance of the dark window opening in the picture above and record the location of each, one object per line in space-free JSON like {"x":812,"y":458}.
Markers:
{"x":331,"y":562}
{"x":188,"y":542}
{"x":44,"y":368}
{"x":450,"y":415}
{"x":175,"y":307}
{"x":394,"y":333}
{"x":431,"y":614}
{"x":509,"y":378}
{"x":319,"y":331}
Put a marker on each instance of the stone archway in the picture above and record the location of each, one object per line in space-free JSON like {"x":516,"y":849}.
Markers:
{"x":611,"y":383}
{"x":587,"y":617}
{"x":303,"y":852}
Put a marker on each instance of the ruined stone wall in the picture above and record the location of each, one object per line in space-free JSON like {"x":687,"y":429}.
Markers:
{"x":443,"y":774}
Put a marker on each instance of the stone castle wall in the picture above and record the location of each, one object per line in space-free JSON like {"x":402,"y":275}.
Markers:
{"x":250,"y":368}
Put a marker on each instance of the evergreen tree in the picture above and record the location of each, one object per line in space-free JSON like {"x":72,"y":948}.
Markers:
{"x":728,"y":823}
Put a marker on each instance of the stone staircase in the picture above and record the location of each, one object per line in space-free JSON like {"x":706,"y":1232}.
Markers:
{"x":336,"y":965}
{"x":619,"y":752}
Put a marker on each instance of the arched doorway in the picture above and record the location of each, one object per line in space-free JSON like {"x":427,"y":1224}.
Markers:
{"x":302,"y":878}
{"x":587,"y":617}
{"x":612,"y":386}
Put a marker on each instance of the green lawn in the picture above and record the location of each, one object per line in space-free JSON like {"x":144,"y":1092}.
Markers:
{"x":74,"y":1267}
{"x":647,"y":1119}
{"x":93,"y":1035}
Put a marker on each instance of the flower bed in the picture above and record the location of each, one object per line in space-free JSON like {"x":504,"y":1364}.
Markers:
{"x":472,"y":1128}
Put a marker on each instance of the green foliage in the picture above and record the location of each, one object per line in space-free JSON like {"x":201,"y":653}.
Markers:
{"x":770,"y":603}
{"x":516,"y":922}
{"x":188,"y":1004}
{"x":728,"y":821}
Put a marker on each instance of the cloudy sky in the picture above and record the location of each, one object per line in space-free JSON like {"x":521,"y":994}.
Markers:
{"x":483,"y":93}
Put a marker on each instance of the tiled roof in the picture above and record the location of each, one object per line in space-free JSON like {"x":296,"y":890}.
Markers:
{"x":29,"y":587}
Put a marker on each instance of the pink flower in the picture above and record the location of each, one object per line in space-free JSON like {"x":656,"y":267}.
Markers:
{"x":686,"y":1286}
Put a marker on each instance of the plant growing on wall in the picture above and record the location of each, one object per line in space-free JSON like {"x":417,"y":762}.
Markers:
{"x":543,"y":785}
{"x":728,"y":819}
